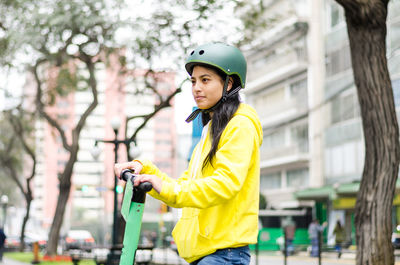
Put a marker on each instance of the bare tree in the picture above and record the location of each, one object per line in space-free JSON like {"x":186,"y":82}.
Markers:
{"x":366,"y":26}
{"x":21,"y":125}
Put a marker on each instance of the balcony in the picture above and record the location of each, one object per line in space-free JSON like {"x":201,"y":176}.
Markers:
{"x":295,"y":154}
{"x":275,"y":66}
{"x":281,"y":111}
{"x":281,"y":55}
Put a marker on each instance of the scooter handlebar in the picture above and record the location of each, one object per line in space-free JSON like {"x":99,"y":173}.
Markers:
{"x":127,"y":174}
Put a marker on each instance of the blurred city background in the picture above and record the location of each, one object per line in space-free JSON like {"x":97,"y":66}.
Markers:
{"x":85,"y":83}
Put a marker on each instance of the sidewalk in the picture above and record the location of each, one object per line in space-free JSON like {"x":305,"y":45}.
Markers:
{"x":169,"y":257}
{"x":303,"y":258}
{"x":7,"y":261}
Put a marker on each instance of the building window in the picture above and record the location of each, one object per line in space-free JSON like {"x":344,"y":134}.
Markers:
{"x":265,"y":103}
{"x":345,"y":161}
{"x":297,"y":177}
{"x":337,"y":15}
{"x":271,"y":181}
{"x":338,"y":61}
{"x":394,"y":36}
{"x":62,"y":104}
{"x":163,"y":142}
{"x":62,"y":116}
{"x":299,"y":136}
{"x":396,"y":92}
{"x":274,"y":140}
{"x":298,"y":89}
{"x":344,"y":108}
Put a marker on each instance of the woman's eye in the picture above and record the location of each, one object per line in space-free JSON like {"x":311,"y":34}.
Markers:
{"x":205,"y":80}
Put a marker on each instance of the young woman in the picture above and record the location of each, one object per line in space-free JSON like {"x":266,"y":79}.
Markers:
{"x":219,"y":192}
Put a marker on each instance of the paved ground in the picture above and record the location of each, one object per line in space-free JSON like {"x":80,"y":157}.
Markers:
{"x":169,"y":257}
{"x":302,"y":259}
{"x":7,"y":261}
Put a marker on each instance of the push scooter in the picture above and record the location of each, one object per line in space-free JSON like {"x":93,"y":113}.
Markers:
{"x":132,"y":212}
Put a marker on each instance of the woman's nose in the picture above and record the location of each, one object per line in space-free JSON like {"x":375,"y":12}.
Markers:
{"x":196,"y":87}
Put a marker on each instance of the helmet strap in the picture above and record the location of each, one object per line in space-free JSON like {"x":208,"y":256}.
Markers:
{"x":224,"y":97}
{"x":224,"y":93}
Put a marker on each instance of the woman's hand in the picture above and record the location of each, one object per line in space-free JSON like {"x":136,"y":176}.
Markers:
{"x":154,"y":180}
{"x":135,"y":166}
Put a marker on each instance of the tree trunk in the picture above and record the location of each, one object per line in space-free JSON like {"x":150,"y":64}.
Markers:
{"x":366,"y":24}
{"x":28,"y":199}
{"x":64,"y":190}
{"x":73,"y":148}
{"x":26,"y":218}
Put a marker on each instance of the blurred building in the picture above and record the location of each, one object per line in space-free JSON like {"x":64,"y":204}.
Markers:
{"x":301,"y":83}
{"x":90,"y":205}
{"x":284,"y":82}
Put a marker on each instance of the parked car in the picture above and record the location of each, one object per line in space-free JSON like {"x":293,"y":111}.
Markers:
{"x":78,"y":239}
{"x":12,"y":243}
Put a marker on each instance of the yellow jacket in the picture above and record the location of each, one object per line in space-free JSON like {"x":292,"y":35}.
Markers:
{"x":220,"y":204}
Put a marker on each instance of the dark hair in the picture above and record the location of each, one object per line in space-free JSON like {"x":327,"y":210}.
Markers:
{"x":222,"y":114}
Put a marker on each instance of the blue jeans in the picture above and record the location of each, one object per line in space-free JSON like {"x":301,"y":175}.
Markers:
{"x":314,"y":247}
{"x":226,"y":256}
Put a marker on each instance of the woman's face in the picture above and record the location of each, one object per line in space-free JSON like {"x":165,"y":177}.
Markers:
{"x":207,"y":87}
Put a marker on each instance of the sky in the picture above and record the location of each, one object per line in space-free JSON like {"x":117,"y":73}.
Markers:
{"x":12,"y":82}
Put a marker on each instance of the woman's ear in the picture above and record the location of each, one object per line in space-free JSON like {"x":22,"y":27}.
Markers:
{"x":230,"y":84}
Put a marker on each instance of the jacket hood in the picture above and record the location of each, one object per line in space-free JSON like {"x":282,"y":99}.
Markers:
{"x":250,"y":112}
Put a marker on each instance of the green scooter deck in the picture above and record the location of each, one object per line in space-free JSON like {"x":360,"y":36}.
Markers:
{"x":132,"y":212}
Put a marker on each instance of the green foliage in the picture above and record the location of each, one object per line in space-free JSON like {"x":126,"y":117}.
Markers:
{"x":13,"y":155}
{"x":66,"y":81}
{"x":254,"y":19}
{"x":56,"y":31}
{"x":263,"y":202}
{"x":10,"y":158}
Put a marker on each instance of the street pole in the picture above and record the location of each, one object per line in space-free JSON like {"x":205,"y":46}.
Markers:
{"x":115,"y":256}
{"x":285,"y":247}
{"x":3,"y":225}
{"x":4,"y":202}
{"x":115,"y":251}
{"x":319,"y":246}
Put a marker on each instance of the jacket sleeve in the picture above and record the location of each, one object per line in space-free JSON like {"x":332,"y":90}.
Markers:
{"x":231,"y":165}
{"x":150,"y":169}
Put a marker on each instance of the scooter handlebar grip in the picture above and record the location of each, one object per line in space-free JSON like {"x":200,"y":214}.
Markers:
{"x":128,"y":174}
{"x":145,"y":186}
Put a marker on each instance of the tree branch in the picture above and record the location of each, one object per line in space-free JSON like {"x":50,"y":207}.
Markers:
{"x":17,"y":127}
{"x":40,"y":106}
{"x":163,"y":104}
{"x":93,"y":104}
{"x":7,"y":163}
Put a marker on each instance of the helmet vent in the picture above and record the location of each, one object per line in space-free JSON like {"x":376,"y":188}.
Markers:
{"x":201,"y":52}
{"x":192,"y":53}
